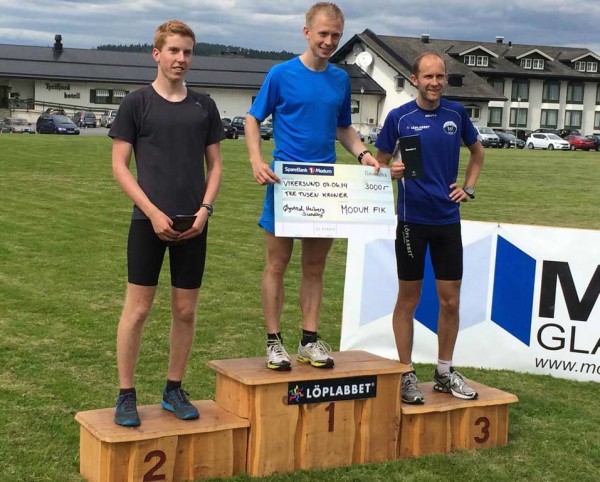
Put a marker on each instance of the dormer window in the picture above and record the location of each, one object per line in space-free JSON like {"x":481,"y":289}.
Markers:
{"x":583,"y":66}
{"x":592,"y":66}
{"x":526,"y":63}
{"x":482,"y":60}
{"x":470,"y":60}
{"x":580,"y":66}
{"x":538,"y":64}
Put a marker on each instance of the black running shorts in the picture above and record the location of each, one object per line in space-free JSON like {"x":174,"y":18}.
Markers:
{"x":445,"y":248}
{"x":146,"y":251}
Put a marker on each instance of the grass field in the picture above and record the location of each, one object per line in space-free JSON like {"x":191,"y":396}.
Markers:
{"x":63,"y":228}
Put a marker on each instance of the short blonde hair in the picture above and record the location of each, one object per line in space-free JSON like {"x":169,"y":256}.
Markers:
{"x":172,"y":27}
{"x":329,"y":9}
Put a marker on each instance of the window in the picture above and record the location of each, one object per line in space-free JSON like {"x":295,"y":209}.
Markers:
{"x":597,"y":120}
{"x":521,"y":114}
{"x":399,"y":82}
{"x":592,"y":67}
{"x":573,"y":119}
{"x":469,"y":60}
{"x":354,"y":106}
{"x":551,"y":91}
{"x":106,"y":96}
{"x":580,"y":66}
{"x":538,"y":64}
{"x":495,"y":117}
{"x":549,"y":118}
{"x":520,"y":89}
{"x":526,"y":63}
{"x":473,"y":112}
{"x":575,"y":93}
{"x":497,"y":84}
{"x":482,"y":60}
{"x":598,"y":94}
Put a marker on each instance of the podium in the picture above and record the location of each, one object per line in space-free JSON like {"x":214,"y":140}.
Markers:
{"x":163,"y":447}
{"x":264,"y":422}
{"x":294,"y":426}
{"x":445,"y":423}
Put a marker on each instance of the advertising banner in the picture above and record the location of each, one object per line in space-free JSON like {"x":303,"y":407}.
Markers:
{"x":529,"y":301}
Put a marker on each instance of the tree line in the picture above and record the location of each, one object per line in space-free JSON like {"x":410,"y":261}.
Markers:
{"x":209,"y":50}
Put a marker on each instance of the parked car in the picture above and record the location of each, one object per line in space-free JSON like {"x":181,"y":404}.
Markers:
{"x":55,"y":124}
{"x":107,"y":119}
{"x":508,"y":139}
{"x":487,"y":137}
{"x":230,"y":131}
{"x":14,"y":125}
{"x":596,"y":138}
{"x":84,"y":119}
{"x":580,"y":142}
{"x":266,"y":131}
{"x":546,"y":130}
{"x":360,"y":135}
{"x":568,"y":132}
{"x":373,"y":134}
{"x":522,"y":134}
{"x":542,"y":140}
{"x":238,"y":122}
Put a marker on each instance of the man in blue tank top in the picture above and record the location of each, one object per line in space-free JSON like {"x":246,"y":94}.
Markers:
{"x":309,"y":99}
{"x":429,"y":217}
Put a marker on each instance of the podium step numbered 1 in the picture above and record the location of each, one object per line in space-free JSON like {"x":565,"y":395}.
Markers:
{"x":264,"y":422}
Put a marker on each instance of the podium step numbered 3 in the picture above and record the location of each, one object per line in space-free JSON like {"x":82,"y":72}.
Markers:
{"x":264,"y":422}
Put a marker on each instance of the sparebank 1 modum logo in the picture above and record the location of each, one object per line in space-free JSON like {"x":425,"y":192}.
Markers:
{"x":308,"y":170}
{"x":513,"y":300}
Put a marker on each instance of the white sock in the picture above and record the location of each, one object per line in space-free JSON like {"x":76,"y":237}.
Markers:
{"x":443,"y":366}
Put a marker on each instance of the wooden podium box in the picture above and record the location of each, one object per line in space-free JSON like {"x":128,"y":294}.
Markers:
{"x":284,"y":437}
{"x":445,"y":423}
{"x":163,"y":447}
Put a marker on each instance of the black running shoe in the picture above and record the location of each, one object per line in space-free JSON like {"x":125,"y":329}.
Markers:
{"x":126,"y":413}
{"x":176,"y":401}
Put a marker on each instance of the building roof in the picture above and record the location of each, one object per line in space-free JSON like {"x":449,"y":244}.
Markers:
{"x":401,"y":52}
{"x":109,"y":66}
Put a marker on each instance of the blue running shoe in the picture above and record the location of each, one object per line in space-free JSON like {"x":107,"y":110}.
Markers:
{"x":126,"y":413}
{"x":176,"y":401}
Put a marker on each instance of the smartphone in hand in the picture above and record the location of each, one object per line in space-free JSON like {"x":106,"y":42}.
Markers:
{"x":183,"y":222}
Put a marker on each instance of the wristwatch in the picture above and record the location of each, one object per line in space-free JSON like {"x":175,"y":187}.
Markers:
{"x":208,"y":207}
{"x":469,"y":191}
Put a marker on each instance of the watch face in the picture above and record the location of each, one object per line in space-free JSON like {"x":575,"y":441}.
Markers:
{"x":469,"y":190}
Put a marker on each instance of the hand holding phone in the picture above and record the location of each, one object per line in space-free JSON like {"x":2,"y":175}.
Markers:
{"x":183,"y":222}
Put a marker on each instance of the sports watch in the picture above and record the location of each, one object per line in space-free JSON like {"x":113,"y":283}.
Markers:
{"x":469,"y":191}
{"x":208,"y":207}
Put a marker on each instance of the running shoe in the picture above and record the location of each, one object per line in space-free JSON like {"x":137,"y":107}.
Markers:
{"x":317,"y":354}
{"x":176,"y":401}
{"x":277,"y":356}
{"x":410,"y":389}
{"x":126,"y":413}
{"x":454,"y":383}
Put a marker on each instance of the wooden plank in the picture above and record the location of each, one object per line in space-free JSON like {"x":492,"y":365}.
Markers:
{"x":158,"y":422}
{"x":325,"y":435}
{"x":423,"y":434}
{"x":272,"y":431}
{"x":443,"y":402}
{"x":252,"y":371}
{"x":234,"y":396}
{"x":153,"y":459}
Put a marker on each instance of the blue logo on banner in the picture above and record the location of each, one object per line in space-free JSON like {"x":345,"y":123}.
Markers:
{"x":512,"y":296}
{"x":324,"y":170}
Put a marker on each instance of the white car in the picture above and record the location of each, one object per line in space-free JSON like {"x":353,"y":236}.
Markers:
{"x":373,"y":134}
{"x":539,"y":140}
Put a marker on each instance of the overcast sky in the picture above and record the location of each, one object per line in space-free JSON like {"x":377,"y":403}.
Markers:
{"x":277,"y":24}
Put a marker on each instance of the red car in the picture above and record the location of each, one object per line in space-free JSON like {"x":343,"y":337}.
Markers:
{"x":580,"y":142}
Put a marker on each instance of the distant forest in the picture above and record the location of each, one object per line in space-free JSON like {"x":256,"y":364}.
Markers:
{"x":209,"y":50}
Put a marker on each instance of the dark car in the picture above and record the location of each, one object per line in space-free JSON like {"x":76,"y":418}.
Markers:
{"x":508,"y":139}
{"x":568,"y":132}
{"x":580,"y":142}
{"x":55,"y":124}
{"x":238,"y":123}
{"x":522,"y":134}
{"x":230,"y":131}
{"x":85,"y":119}
{"x":266,"y":131}
{"x":596,"y":138}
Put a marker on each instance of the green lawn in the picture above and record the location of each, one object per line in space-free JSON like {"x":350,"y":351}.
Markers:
{"x":63,"y":227}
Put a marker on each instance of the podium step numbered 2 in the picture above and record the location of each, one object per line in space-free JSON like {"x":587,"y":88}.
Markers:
{"x":264,"y":422}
